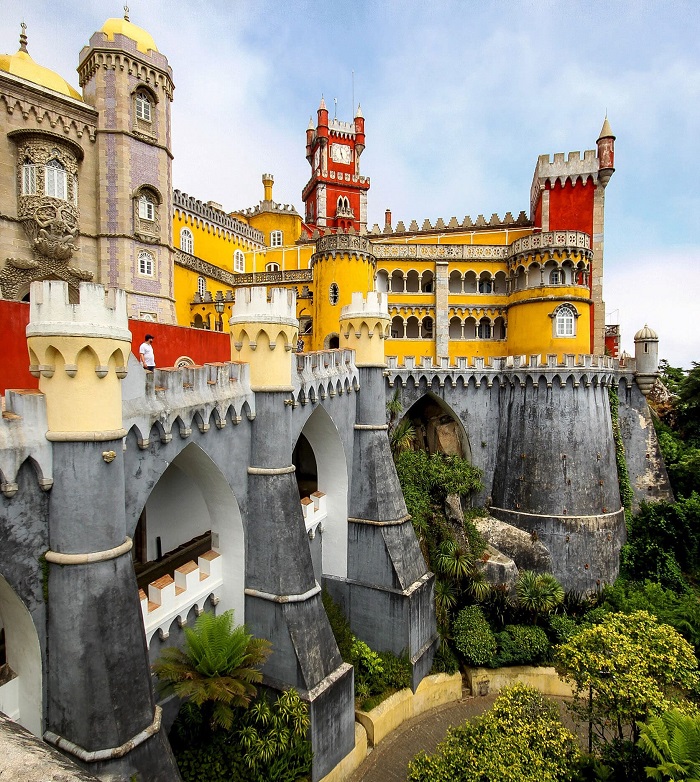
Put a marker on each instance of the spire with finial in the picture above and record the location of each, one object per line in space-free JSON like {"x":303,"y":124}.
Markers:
{"x":606,"y":153}
{"x":23,"y":39}
{"x":126,"y":13}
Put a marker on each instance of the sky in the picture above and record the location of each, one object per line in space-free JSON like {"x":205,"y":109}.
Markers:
{"x":459,"y":99}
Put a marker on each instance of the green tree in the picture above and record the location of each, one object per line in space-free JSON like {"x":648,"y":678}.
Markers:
{"x":218,"y":669}
{"x":539,"y":594}
{"x":521,"y":739}
{"x":625,"y":669}
{"x":672,"y":740}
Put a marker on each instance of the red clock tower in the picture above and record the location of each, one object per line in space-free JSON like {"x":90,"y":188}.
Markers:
{"x":335,"y":197}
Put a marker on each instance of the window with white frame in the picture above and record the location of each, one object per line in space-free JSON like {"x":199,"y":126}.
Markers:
{"x":275,"y":238}
{"x":334,"y":293}
{"x":272,"y":267}
{"x":28,"y":178}
{"x":239,"y":261}
{"x":143,"y":107}
{"x":565,"y":321}
{"x":55,"y":182}
{"x":201,"y":286}
{"x":146,"y":263}
{"x":556,"y":277}
{"x":147,"y":207}
{"x":186,"y":241}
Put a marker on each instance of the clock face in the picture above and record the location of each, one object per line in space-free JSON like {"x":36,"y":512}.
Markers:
{"x":341,"y":153}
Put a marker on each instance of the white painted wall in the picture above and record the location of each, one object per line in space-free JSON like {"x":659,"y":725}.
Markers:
{"x":331,"y":464}
{"x":24,"y":657}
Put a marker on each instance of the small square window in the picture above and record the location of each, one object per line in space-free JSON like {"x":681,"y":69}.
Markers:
{"x":275,"y":238}
{"x":146,"y":264}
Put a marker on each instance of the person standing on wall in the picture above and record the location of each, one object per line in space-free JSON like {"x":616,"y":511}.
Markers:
{"x":146,"y":354}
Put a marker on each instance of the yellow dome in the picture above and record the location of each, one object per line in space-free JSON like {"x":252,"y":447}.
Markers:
{"x":144,"y":41}
{"x":22,"y":65}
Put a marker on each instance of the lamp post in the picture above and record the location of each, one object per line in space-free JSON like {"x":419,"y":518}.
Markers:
{"x":219,"y":307}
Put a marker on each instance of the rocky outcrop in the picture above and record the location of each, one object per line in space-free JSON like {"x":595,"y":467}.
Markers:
{"x":527,"y":552}
{"x":498,"y":568}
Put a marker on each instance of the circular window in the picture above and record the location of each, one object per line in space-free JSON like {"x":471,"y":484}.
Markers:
{"x":334,"y":293}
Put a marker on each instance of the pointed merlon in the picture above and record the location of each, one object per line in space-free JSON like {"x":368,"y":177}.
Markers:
{"x":606,"y":130}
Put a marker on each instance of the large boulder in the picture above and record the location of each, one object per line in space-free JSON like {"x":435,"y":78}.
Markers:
{"x":526,"y":552}
{"x":498,"y":568}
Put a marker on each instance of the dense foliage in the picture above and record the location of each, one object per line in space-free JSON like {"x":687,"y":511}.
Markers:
{"x":672,"y":741}
{"x":218,"y":669}
{"x":473,"y":637}
{"x":521,"y":739}
{"x":624,"y":669}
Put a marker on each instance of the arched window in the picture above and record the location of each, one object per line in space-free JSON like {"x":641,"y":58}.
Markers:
{"x":238,"y":261}
{"x":28,"y":178}
{"x":484,"y":329}
{"x":201,"y":286}
{"x":147,"y":207}
{"x":275,"y":238}
{"x":556,"y":277}
{"x":146,"y":263}
{"x":485,"y":285}
{"x":55,"y":184}
{"x":143,"y":106}
{"x":186,"y":241}
{"x":565,"y":321}
{"x":272,"y":267}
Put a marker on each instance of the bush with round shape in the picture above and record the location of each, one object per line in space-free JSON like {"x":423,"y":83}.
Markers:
{"x":473,"y":638}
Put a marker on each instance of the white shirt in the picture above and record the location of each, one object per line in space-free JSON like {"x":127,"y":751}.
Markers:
{"x":146,"y":351}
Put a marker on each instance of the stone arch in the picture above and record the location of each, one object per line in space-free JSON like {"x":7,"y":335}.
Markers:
{"x":21,"y":695}
{"x":443,"y":429}
{"x":191,"y":498}
{"x":321,"y":434}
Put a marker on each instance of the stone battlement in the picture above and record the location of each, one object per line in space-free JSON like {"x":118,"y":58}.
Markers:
{"x":97,"y":314}
{"x":502,"y":363}
{"x":375,"y":304}
{"x":253,"y":306}
{"x":508,"y":221}
{"x":204,"y":211}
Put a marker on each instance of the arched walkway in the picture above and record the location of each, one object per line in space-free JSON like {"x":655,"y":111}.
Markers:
{"x":438,"y":428}
{"x":191,"y":498}
{"x":21,"y":694}
{"x":322,"y":436}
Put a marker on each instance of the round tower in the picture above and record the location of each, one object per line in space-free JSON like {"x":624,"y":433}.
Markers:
{"x":342,"y":264}
{"x":129,"y":82}
{"x":646,"y":354}
{"x":263,"y":334}
{"x":79,"y":352}
{"x":364,"y":325}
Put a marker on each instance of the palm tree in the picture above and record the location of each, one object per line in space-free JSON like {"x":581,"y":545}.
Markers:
{"x":538,"y":593}
{"x":401,"y":437}
{"x":218,"y":669}
{"x":453,"y":561}
{"x":672,"y":740}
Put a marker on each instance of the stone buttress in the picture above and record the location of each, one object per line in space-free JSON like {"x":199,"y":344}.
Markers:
{"x":388,"y":593}
{"x":283,"y":599}
{"x":100,"y":704}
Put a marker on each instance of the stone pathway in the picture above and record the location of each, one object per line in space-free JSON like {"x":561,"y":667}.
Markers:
{"x":389,"y":761}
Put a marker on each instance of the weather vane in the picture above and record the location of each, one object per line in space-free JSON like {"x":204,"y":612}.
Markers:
{"x":126,"y":13}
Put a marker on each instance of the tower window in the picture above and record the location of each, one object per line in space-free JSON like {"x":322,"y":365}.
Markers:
{"x":556,"y":277}
{"x":55,"y":184}
{"x":334,"y":293}
{"x":565,"y":321}
{"x":186,"y":241}
{"x":238,"y":261}
{"x":275,"y":238}
{"x":147,"y":207}
{"x":146,"y":263}
{"x":201,"y":286}
{"x":143,"y":107}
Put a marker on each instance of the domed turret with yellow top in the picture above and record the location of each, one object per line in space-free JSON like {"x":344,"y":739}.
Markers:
{"x":122,"y":26}
{"x":22,"y":65}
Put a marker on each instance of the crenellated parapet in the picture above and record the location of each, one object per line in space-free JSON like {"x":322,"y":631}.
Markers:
{"x":364,"y":325}
{"x":216,"y":217}
{"x":177,"y":401}
{"x":263,"y":334}
{"x":80,"y":353}
{"x":548,"y":371}
{"x":344,"y":244}
{"x":324,"y":375}
{"x":507,"y":221}
{"x":562,"y":169}
{"x":560,"y":245}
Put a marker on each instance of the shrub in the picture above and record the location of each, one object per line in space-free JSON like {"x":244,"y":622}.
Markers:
{"x":339,"y":625}
{"x":444,"y":660}
{"x":521,"y":738}
{"x":473,"y":637}
{"x":522,"y":645}
{"x":561,"y":628}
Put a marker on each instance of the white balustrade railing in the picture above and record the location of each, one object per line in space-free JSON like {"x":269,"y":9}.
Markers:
{"x":315,"y":512}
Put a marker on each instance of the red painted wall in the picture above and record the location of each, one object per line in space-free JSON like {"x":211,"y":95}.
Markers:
{"x":571,"y":207}
{"x":170,"y":343}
